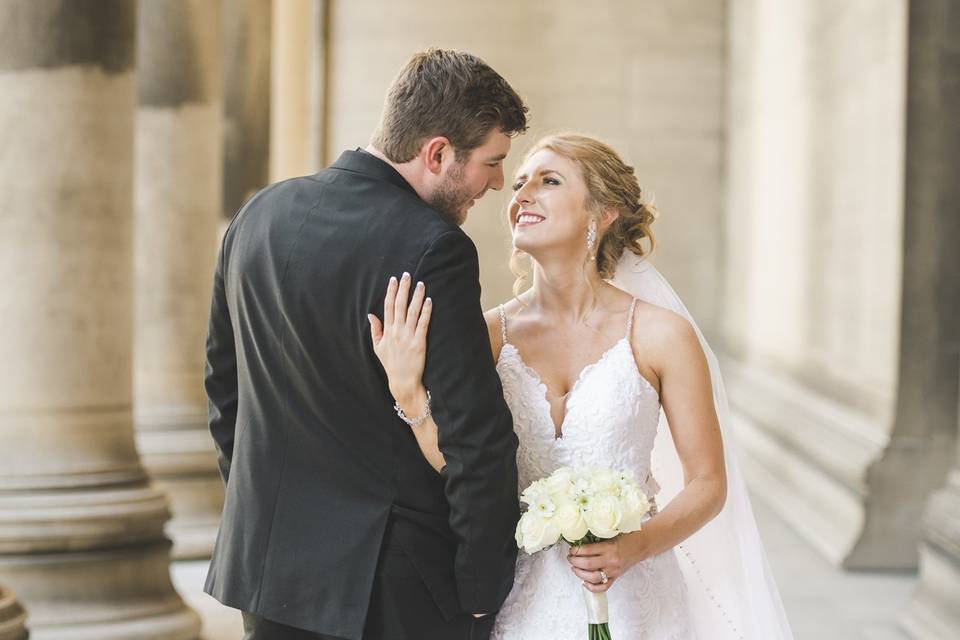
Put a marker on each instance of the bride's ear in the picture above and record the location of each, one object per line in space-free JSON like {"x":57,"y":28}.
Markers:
{"x":608,"y":217}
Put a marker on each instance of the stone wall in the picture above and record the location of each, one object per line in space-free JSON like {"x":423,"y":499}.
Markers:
{"x":652,"y":85}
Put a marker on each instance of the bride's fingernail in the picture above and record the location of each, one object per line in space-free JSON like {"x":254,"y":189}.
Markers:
{"x":428,"y":301}
{"x":420,"y":285}
{"x":406,"y":276}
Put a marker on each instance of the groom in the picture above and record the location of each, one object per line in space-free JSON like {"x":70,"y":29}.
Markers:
{"x":334,"y":526}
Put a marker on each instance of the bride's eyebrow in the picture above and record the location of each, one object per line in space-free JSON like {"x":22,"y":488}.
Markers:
{"x":541,"y":172}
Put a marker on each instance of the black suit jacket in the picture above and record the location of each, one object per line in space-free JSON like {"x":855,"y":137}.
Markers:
{"x":315,"y":460}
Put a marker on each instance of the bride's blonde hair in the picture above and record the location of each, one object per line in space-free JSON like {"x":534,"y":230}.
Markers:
{"x":611,"y":184}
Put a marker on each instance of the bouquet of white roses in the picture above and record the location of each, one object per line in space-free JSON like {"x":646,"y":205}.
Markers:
{"x":582,"y":506}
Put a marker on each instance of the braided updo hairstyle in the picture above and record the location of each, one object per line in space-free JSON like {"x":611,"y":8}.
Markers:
{"x":611,"y":184}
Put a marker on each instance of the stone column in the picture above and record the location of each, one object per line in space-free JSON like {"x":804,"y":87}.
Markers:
{"x":12,"y":617}
{"x":933,"y":152}
{"x":246,"y":58}
{"x":925,"y":422}
{"x":297,"y":94}
{"x":81,"y":529}
{"x":842,"y":275}
{"x":178,"y":193}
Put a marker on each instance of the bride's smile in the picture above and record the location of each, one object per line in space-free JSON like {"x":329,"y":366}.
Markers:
{"x":527,"y":218}
{"x":548,"y":209}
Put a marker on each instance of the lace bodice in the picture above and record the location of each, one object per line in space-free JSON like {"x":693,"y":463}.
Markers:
{"x":610,"y":420}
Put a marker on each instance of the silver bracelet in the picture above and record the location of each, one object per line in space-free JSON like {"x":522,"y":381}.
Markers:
{"x":419,"y":420}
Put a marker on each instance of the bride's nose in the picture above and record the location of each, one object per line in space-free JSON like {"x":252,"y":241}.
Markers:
{"x":523,"y":196}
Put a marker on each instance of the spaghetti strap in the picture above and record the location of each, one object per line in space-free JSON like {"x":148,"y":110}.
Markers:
{"x":633,"y":307}
{"x":503,"y":325}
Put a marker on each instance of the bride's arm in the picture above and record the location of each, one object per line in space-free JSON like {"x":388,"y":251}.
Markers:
{"x":400,"y":342}
{"x":414,"y":405}
{"x":686,"y":394}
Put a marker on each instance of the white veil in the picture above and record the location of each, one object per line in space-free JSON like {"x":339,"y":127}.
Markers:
{"x":731,"y":590}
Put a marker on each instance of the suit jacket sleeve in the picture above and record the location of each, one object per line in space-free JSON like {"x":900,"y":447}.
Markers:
{"x":220,"y":373}
{"x":474,"y":424}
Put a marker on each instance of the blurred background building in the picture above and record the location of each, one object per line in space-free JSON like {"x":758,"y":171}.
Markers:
{"x":805,"y":157}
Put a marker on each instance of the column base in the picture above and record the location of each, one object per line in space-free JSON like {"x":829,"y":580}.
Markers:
{"x":36,"y":523}
{"x":804,"y":455}
{"x":12,"y":617}
{"x":112,"y":594}
{"x":196,"y":503}
{"x":933,"y":613}
{"x":182,"y":463}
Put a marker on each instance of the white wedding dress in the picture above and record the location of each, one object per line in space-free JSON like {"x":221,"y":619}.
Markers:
{"x":717,"y":584}
{"x":611,"y":419}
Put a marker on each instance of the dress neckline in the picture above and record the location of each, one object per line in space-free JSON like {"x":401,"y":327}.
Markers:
{"x":534,"y":376}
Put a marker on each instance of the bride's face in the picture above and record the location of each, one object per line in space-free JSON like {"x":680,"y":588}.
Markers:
{"x":548,"y":210}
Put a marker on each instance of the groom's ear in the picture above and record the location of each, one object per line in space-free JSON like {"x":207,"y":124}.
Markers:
{"x":434,"y":151}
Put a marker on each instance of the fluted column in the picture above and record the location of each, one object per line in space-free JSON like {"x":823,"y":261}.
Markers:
{"x":298,"y":87}
{"x":841,"y":309}
{"x":246,"y":57}
{"x":178,"y":193}
{"x":12,"y":617}
{"x":933,"y":145}
{"x":81,"y":528}
{"x":925,"y":422}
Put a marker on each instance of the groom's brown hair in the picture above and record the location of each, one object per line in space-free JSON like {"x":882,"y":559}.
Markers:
{"x":451,"y":94}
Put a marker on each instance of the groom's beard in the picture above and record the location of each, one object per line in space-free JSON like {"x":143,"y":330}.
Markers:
{"x":451,"y":197}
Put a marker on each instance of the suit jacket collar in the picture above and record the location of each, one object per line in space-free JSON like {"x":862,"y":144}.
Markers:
{"x":359,"y":161}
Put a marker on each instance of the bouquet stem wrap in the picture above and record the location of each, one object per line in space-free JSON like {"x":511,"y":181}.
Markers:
{"x":597,"y":615}
{"x":597,"y":612}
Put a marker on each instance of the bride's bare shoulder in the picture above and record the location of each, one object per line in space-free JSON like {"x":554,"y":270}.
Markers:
{"x":659,"y":329}
{"x":492,"y":318}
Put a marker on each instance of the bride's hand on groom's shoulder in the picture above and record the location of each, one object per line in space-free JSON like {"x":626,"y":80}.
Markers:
{"x":400,"y":341}
{"x":612,"y":557}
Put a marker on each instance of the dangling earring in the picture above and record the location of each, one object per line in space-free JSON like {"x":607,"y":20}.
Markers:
{"x":591,"y":239}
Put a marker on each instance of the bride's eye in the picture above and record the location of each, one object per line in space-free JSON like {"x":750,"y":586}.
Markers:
{"x":553,"y":181}
{"x":517,"y":185}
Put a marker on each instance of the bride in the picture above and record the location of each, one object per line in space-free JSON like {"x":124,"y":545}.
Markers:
{"x":601,"y":365}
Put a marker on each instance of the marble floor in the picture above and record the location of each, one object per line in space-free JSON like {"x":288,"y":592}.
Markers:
{"x":822,"y":602}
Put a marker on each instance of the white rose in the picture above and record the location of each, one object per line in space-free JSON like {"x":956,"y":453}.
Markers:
{"x":570,"y":521}
{"x":603,"y":516}
{"x":635,"y":506}
{"x":605,"y":481}
{"x":560,"y":482}
{"x":627,"y":483}
{"x":535,"y":533}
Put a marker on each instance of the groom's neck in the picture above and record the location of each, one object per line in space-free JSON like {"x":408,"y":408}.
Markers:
{"x":406,"y":169}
